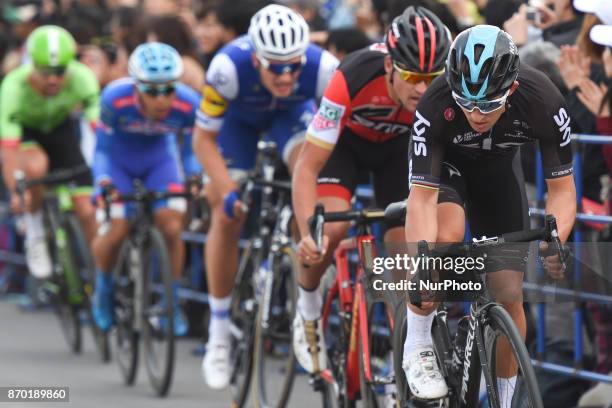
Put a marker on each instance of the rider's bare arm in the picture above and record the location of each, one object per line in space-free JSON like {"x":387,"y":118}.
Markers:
{"x":311,"y":160}
{"x":561,"y":203}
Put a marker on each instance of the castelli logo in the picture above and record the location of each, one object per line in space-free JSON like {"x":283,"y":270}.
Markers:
{"x":449,"y":114}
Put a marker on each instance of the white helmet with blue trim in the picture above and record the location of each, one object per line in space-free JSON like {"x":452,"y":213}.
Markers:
{"x":155,"y":62}
{"x":279,"y":33}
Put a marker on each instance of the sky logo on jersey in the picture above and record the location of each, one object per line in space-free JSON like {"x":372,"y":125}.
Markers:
{"x":418,"y":129}
{"x":563,"y":120}
{"x":328,"y":116}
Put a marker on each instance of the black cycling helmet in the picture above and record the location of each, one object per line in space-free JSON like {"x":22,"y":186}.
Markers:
{"x":418,"y":41}
{"x":483,"y":63}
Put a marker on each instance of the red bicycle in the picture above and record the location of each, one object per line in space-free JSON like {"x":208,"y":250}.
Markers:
{"x":357,"y":327}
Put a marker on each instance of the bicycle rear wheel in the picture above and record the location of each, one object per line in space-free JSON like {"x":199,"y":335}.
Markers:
{"x":274,"y":362}
{"x":158,"y":319}
{"x":243,"y":312}
{"x":85,"y":266}
{"x":126,"y":337}
{"x":500,"y":327}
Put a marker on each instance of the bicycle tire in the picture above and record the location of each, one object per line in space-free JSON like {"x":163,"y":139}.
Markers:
{"x":66,"y":310}
{"x":335,"y":395}
{"x":126,"y":338}
{"x":399,"y":335}
{"x":284,"y":285}
{"x":85,"y":264}
{"x":242,"y":316}
{"x":157,"y":271}
{"x":499,"y":321}
{"x":379,"y":347}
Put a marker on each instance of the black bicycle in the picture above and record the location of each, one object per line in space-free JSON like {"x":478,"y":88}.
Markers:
{"x":143,"y":291}
{"x":264,"y":298}
{"x":70,"y":286}
{"x":473,"y":352}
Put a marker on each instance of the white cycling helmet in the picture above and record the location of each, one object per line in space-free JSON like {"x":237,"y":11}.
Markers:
{"x":279,"y":33}
{"x":155,"y":62}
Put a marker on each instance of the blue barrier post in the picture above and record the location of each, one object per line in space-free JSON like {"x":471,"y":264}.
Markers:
{"x":578,"y":318}
{"x":541,"y":307}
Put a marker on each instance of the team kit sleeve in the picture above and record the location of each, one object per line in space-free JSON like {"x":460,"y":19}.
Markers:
{"x":90,"y":93}
{"x":554,"y":135}
{"x":10,"y":129}
{"x":102,"y":160}
{"x":426,"y":145}
{"x":191,"y":165}
{"x":220,"y":89}
{"x":334,"y":110}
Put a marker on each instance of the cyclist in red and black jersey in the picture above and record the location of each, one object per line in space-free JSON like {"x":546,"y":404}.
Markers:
{"x":363,"y":124}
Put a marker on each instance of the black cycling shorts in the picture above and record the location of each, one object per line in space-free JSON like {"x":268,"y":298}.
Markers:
{"x":492,"y":192}
{"x":386,"y":162}
{"x":62,"y":147}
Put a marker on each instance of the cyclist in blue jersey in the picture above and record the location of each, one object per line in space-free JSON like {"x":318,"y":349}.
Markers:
{"x":264,"y":82}
{"x":141,"y":119}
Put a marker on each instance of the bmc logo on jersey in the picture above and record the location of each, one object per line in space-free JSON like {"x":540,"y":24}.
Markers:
{"x":418,"y":129}
{"x":328,"y":116}
{"x":563,"y":121}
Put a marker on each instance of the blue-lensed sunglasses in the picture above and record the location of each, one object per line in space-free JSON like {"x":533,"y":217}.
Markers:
{"x":280,"y":68}
{"x":155,"y":90}
{"x":483,"y":106}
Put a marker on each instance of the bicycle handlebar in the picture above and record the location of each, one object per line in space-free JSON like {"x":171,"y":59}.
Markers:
{"x":55,"y":177}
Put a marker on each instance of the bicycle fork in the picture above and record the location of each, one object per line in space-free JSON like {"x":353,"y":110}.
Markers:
{"x":471,"y":370}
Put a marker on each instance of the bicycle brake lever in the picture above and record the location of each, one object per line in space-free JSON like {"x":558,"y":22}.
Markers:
{"x":553,"y":237}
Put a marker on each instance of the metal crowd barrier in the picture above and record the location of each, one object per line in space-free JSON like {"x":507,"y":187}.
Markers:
{"x":579,"y":140}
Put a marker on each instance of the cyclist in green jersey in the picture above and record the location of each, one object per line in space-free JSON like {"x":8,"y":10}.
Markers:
{"x":37,"y":133}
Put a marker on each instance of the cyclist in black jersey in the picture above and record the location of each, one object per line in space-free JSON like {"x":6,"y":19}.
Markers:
{"x":465,"y":142}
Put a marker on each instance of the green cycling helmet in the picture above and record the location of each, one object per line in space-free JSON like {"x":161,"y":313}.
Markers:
{"x":51,"y":46}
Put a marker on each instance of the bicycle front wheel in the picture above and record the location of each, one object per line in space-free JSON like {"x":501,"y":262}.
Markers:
{"x":274,"y":361}
{"x":158,"y":318}
{"x":523,"y":390}
{"x":243,"y":312}
{"x":84,"y":263}
{"x":126,"y":337}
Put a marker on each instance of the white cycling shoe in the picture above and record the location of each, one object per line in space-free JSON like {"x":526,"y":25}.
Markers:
{"x":216,"y":367}
{"x":37,"y":258}
{"x":423,"y":374}
{"x":309,"y":344}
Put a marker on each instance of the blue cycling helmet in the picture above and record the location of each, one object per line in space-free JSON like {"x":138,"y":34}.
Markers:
{"x":483,"y":63}
{"x":155,"y":62}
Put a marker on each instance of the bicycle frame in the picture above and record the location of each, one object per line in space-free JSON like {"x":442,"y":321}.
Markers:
{"x":352,"y":309}
{"x":55,"y":206}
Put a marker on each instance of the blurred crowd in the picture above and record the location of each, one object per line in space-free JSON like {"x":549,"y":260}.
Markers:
{"x":553,"y":35}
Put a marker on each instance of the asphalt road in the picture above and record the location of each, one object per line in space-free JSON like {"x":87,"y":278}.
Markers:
{"x":33,"y":353}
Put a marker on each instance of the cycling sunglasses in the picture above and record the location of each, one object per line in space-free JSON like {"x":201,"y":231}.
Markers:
{"x":156,"y":90}
{"x":416,"y":77}
{"x":280,"y":68}
{"x":484,"y":107}
{"x":51,"y":71}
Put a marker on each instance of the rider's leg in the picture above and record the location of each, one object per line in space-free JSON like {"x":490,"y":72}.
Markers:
{"x":309,"y":301}
{"x":506,"y":287}
{"x":86,"y":214}
{"x":419,"y":361}
{"x":105,"y":249}
{"x":35,"y":163}
{"x":170,"y":223}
